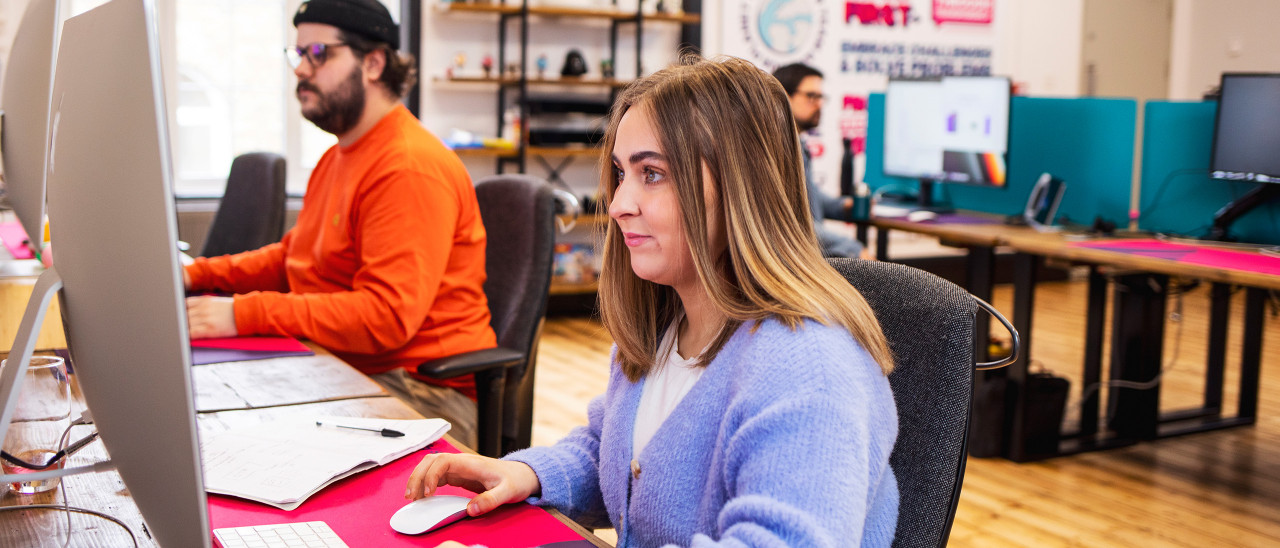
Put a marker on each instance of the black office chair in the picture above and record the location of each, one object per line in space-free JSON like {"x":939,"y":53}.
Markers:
{"x":251,"y":213}
{"x":519,"y":217}
{"x":929,"y":323}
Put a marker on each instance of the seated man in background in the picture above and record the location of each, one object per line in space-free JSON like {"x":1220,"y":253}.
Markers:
{"x":803,"y":85}
{"x":386,"y":265}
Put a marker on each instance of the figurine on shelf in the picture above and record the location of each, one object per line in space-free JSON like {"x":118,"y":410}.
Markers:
{"x":459,"y":61}
{"x":542,"y":66}
{"x":487,"y":64}
{"x":606,"y":68}
{"x":660,"y":7}
{"x":513,"y":69}
{"x":575,"y":65}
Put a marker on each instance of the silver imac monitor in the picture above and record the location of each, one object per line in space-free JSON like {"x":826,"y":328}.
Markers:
{"x":112,"y":219}
{"x":24,"y":139}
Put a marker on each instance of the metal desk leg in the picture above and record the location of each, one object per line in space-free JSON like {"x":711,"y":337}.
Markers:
{"x":1095,"y":327}
{"x":882,"y":243}
{"x":1024,"y":288}
{"x":1251,"y":354}
{"x":1137,"y":339}
{"x":987,"y":418}
{"x":1219,"y":318}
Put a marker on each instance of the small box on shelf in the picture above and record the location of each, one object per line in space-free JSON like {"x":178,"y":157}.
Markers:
{"x":575,"y":263}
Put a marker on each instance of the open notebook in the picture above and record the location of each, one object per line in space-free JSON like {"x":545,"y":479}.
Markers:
{"x":283,"y":462}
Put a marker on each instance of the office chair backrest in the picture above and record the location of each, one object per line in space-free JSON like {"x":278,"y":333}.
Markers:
{"x":519,"y":219}
{"x":251,"y":214}
{"x":929,"y":323}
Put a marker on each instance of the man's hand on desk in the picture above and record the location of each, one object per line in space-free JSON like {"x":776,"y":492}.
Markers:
{"x":498,"y":481}
{"x":211,"y":317}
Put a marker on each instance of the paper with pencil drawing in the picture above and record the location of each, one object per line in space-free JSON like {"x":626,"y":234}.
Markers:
{"x":281,"y":463}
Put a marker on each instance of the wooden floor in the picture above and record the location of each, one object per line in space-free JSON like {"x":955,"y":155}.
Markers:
{"x":1214,"y":489}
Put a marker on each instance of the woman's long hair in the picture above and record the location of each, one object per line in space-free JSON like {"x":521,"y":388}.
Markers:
{"x":736,"y":120}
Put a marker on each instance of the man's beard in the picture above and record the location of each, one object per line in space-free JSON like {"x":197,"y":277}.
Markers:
{"x":806,"y":125}
{"x":338,"y":111}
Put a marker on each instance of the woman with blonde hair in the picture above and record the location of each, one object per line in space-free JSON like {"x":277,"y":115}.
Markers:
{"x":747,"y":403}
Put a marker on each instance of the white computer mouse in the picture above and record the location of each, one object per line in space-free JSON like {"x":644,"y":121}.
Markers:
{"x":429,"y":514}
{"x":921,"y":215}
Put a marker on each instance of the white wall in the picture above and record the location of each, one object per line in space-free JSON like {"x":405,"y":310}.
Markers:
{"x":1215,"y":36}
{"x":1040,"y":45}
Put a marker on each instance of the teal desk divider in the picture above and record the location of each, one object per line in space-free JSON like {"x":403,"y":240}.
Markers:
{"x":1087,"y":142}
{"x":1178,"y":197}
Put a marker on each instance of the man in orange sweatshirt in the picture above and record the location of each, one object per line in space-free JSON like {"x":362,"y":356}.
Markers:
{"x":385,"y":266}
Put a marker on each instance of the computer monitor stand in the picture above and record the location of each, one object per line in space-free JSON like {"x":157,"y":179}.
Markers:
{"x":24,"y":344}
{"x":924,"y":199}
{"x":13,"y":373}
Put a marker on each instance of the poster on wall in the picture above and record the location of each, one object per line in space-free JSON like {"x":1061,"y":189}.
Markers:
{"x":858,"y":46}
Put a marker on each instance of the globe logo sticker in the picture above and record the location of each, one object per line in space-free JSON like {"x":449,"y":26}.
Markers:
{"x":780,"y":32}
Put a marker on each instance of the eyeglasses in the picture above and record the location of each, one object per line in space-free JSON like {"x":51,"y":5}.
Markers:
{"x":317,"y":53}
{"x":812,"y":96}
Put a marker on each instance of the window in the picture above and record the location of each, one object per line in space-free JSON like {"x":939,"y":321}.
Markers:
{"x":230,"y":90}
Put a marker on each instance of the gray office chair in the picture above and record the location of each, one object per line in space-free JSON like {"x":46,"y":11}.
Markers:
{"x":929,"y":323}
{"x":251,"y":213}
{"x":519,"y":218}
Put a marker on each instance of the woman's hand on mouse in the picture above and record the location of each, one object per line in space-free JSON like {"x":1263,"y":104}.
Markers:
{"x":498,"y":481}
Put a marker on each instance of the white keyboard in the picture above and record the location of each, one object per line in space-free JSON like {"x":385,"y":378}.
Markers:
{"x":311,"y":534}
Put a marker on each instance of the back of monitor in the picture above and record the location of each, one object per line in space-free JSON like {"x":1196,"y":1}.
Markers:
{"x":112,"y":219}
{"x":24,"y":140}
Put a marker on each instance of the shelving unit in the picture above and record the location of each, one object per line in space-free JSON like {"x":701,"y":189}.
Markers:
{"x":515,"y":86}
{"x":520,"y":83}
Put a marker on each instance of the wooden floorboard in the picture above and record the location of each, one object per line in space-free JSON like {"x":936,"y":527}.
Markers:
{"x":1212,"y":489}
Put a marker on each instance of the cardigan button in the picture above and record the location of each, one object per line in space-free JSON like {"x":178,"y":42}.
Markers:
{"x":635,"y":468}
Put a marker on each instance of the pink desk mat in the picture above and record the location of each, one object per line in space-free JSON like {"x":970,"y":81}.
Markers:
{"x":15,"y":240}
{"x":359,"y":510}
{"x":236,"y":349}
{"x":1191,"y":254}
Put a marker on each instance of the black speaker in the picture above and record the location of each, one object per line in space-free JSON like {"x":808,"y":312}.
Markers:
{"x":1046,"y":403}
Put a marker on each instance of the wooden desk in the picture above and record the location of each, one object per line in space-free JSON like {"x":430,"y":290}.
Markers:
{"x":105,"y":492}
{"x":14,"y":294}
{"x":1140,"y":285}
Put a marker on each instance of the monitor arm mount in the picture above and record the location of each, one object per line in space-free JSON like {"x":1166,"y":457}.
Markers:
{"x":1223,"y":219}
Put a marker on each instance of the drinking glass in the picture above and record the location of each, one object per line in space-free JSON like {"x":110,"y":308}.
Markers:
{"x":40,"y":418}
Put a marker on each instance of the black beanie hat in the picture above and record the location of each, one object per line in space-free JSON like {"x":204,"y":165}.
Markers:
{"x":368,"y":18}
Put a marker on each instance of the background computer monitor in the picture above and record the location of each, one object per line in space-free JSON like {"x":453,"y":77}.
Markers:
{"x":25,"y":101}
{"x":953,"y":129}
{"x":1246,"y":143}
{"x":114,"y":232}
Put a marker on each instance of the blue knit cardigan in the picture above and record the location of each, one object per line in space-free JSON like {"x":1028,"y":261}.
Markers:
{"x":784,"y":441}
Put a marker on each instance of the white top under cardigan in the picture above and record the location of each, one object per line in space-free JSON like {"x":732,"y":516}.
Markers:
{"x":669,"y":381}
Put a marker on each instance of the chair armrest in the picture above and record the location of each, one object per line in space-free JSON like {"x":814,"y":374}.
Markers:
{"x":470,"y":362}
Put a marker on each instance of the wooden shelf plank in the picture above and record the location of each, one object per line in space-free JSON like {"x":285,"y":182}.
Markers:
{"x":545,"y":151}
{"x":459,"y":7}
{"x":683,"y":18}
{"x":564,"y":151}
{"x":566,"y":288}
{"x":485,"y":151}
{"x":567,"y":11}
{"x":513,"y":80}
{"x":479,"y":79}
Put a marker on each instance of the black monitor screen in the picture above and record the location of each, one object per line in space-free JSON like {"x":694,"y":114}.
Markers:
{"x":1246,"y":135}
{"x":954,"y":129}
